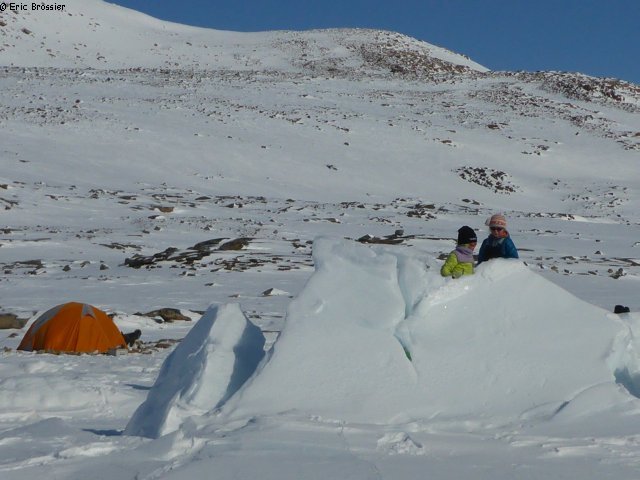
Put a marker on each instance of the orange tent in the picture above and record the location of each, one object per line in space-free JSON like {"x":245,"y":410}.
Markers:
{"x":73,"y":328}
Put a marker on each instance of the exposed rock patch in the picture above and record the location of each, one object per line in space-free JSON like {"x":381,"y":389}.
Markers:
{"x":495,"y":180}
{"x":166,"y":314}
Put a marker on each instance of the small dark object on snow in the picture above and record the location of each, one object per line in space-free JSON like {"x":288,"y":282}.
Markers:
{"x":11,"y":320}
{"x":397,"y":237}
{"x":237,"y":244}
{"x":166,"y":314}
{"x":621,"y":309}
{"x":130,"y":338}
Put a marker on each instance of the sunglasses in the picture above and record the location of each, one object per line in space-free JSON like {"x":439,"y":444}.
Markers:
{"x":496,"y":229}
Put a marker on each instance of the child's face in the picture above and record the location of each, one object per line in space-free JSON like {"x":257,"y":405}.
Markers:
{"x":472,"y":246}
{"x":497,"y":231}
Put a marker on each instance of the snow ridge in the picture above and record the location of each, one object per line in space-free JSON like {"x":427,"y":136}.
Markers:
{"x":220,"y":352}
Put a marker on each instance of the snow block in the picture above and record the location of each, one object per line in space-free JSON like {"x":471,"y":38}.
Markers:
{"x":212,"y":362}
{"x":503,"y":344}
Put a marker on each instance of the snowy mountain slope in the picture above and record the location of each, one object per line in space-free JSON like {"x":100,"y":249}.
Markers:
{"x":90,"y":158}
{"x":438,"y":131}
{"x":103,"y":163}
{"x":96,"y":34}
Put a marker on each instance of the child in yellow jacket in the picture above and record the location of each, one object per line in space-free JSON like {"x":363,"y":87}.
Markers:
{"x":460,"y":261}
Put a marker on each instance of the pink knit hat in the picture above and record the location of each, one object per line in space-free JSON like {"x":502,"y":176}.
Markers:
{"x":497,"y":220}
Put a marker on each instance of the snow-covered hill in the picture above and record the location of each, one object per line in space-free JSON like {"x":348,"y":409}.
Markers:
{"x":96,"y":34}
{"x":147,"y":165}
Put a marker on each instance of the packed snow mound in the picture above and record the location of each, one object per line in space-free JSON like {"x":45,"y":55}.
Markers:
{"x":97,"y":34}
{"x":217,"y":356}
{"x":376,"y":337}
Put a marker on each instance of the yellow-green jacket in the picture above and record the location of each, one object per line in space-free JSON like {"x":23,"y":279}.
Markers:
{"x":458,"y":263}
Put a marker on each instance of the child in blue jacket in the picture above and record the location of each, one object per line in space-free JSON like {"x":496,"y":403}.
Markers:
{"x":498,"y":244}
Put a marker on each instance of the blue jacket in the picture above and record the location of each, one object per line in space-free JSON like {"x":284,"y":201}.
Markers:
{"x":497,"y":248}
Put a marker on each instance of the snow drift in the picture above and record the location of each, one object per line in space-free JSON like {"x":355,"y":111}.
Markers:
{"x":375,"y":337}
{"x":505,"y":343}
{"x":220,"y":352}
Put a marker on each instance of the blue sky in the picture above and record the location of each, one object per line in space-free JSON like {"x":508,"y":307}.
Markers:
{"x":599,"y":38}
